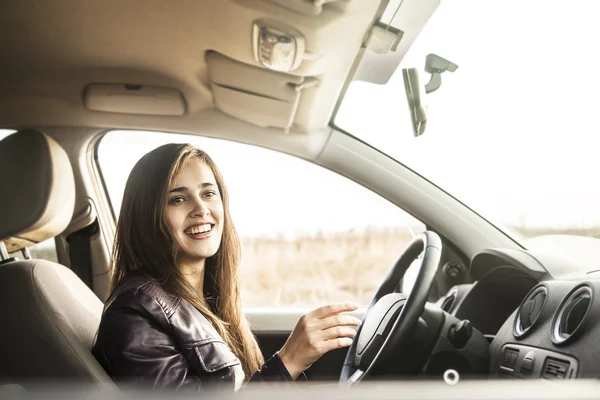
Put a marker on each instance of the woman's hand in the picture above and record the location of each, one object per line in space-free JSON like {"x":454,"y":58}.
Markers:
{"x":316,"y":333}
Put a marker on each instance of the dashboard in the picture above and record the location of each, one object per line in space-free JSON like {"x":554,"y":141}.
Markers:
{"x":540,"y":324}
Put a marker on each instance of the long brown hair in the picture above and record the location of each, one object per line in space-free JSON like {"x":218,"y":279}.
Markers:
{"x":142,"y":236}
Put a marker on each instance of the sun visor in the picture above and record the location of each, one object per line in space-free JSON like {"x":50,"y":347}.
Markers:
{"x":256,"y":95}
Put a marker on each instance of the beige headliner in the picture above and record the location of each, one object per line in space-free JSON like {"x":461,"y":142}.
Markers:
{"x":53,"y":49}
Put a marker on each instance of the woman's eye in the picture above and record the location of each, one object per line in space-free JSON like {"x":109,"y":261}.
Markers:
{"x":177,"y":200}
{"x":210,"y":193}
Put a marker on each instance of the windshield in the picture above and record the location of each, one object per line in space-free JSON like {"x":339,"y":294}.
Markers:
{"x":512,"y":132}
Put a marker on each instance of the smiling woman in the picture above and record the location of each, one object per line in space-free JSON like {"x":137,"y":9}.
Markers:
{"x":164,"y":184}
{"x":174,"y":316}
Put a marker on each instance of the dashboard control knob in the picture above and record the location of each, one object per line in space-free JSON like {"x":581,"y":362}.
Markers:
{"x":460,"y":333}
{"x":453,"y":270}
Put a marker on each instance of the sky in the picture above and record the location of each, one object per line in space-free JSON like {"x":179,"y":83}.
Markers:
{"x":513,"y":132}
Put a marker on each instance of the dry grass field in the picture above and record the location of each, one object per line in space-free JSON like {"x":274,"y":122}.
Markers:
{"x":317,"y":270}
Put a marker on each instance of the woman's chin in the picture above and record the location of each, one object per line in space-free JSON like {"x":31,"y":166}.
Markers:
{"x":200,"y":249}
{"x":200,"y":254}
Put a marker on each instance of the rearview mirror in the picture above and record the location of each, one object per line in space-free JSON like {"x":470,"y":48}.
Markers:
{"x":417,"y":101}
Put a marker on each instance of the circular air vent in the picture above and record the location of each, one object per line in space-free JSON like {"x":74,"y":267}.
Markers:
{"x":449,"y":301}
{"x":571,"y":313}
{"x":529,"y":310}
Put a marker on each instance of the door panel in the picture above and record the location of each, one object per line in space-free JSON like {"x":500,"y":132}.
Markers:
{"x":272,"y":327}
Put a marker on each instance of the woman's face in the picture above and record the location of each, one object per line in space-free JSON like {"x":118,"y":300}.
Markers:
{"x":194,"y":212}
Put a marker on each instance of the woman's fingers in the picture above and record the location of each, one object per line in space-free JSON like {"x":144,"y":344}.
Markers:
{"x":332,"y":309}
{"x":336,"y":320}
{"x":338,"y":332}
{"x":318,"y":332}
{"x":338,"y":343}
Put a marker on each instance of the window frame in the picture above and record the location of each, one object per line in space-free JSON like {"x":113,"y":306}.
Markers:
{"x":101,"y":178}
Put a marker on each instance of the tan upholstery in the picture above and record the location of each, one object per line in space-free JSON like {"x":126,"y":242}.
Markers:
{"x":49,"y":316}
{"x":39,"y":196}
{"x":49,"y":321}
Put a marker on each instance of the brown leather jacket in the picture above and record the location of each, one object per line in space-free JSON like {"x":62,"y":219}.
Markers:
{"x":149,"y":337}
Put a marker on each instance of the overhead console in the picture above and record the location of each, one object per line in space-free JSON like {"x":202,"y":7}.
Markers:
{"x":295,"y":61}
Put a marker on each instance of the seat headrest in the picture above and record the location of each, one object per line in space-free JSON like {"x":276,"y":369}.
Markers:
{"x":38,"y":195}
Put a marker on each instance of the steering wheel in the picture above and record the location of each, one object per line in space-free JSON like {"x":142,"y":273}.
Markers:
{"x":392,"y":317}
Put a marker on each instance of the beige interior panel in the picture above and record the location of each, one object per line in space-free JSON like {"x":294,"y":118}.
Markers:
{"x":153,"y":43}
{"x":89,"y":204}
{"x":256,"y":109}
{"x":210,"y":122}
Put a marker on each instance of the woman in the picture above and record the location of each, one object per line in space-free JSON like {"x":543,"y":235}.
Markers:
{"x":174,"y":318}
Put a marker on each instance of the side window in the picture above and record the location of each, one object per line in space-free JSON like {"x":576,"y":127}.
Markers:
{"x":45,"y":250}
{"x":309,"y":236}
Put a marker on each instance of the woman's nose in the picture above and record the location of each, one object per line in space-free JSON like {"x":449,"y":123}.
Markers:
{"x":200,"y":209}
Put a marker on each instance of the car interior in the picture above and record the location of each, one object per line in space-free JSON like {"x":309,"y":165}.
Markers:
{"x":483,"y":307}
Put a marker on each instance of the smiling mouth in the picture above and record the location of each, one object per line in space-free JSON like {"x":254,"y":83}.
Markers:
{"x":199,"y":231}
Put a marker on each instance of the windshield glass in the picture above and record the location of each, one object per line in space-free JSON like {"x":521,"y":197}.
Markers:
{"x":512,"y":132}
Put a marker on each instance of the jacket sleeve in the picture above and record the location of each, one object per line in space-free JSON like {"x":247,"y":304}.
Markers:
{"x":274,"y":371}
{"x":134,"y":346}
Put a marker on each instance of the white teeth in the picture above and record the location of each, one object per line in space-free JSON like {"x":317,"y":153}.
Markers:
{"x":198,"y":229}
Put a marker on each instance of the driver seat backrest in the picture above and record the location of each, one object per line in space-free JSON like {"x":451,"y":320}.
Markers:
{"x":49,"y":316}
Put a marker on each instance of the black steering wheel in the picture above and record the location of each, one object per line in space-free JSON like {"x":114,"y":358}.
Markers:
{"x":392,"y":317}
